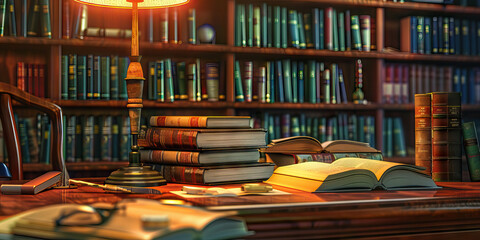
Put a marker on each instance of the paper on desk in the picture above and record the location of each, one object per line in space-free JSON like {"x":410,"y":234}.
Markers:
{"x":226,"y":192}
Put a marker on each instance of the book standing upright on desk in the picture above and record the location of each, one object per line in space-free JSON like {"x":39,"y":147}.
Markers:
{"x":204,"y":150}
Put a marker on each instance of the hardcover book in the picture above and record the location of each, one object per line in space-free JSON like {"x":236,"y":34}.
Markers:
{"x":199,"y":158}
{"x":472,"y":151}
{"x":423,"y":135}
{"x":351,"y":174}
{"x":202,"y":121}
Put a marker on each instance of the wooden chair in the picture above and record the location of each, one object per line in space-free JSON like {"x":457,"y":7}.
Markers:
{"x":10,"y":130}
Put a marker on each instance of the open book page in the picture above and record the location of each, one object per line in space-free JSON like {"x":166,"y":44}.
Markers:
{"x":313,"y":170}
{"x":377,"y":167}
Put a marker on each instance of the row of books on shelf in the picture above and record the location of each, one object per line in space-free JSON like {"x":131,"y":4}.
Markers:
{"x":289,"y":81}
{"x":34,"y":18}
{"x":31,"y":78}
{"x":166,"y":25}
{"x":192,"y":80}
{"x":263,"y":25}
{"x":394,"y":144}
{"x":89,"y":138}
{"x":34,"y":137}
{"x":325,"y":128}
{"x":85,"y":77}
{"x":440,"y":35}
{"x":403,"y":81}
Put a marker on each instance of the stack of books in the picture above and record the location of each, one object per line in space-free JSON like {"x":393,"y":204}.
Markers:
{"x":204,"y":149}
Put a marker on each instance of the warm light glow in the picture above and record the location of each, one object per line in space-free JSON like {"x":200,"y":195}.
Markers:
{"x":145,"y":4}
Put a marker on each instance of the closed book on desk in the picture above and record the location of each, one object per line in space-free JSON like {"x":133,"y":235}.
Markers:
{"x":188,"y":138}
{"x":198,"y":158}
{"x":252,"y":172}
{"x":351,"y":174}
{"x":202,"y":121}
{"x":138,"y":219}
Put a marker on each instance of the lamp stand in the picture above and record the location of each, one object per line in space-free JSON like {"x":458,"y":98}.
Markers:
{"x":135,"y":174}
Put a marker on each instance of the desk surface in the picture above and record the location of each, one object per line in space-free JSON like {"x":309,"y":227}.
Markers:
{"x":449,"y":212}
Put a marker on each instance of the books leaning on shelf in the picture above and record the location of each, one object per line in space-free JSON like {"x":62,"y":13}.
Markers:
{"x":292,"y":150}
{"x":137,"y":219}
{"x":351,"y":174}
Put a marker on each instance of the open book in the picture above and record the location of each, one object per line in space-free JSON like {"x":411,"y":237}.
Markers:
{"x":351,"y":174}
{"x":128,"y":219}
{"x":291,"y":150}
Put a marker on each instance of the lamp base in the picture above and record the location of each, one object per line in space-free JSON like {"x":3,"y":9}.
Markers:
{"x":143,"y":176}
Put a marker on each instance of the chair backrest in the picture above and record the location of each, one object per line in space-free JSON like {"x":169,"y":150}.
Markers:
{"x":10,"y":130}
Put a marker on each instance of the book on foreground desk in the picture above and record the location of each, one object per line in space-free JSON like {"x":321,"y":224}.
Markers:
{"x":351,"y":174}
{"x":128,"y":219}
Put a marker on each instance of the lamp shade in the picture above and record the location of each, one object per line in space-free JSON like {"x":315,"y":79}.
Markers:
{"x":145,"y":4}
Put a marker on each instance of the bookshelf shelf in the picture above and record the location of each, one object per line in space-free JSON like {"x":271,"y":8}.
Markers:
{"x":403,"y":56}
{"x":306,"y":106}
{"x":80,"y":166}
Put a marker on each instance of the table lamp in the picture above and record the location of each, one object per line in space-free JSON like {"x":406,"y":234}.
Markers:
{"x":135,"y":174}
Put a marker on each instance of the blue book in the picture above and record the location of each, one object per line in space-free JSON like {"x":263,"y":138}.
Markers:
{"x":269,"y":26}
{"x":316,"y":28}
{"x":465,"y":38}
{"x":458,"y":36}
{"x":280,"y":84}
{"x":97,"y":77}
{"x":420,"y":34}
{"x":343,"y":92}
{"x":434,"y":30}
{"x":440,"y":35}
{"x":249,"y":18}
{"x":321,"y":23}
{"x":82,"y":77}
{"x":315,"y":128}
{"x":473,"y":38}
{"x":90,"y":77}
{"x":301,"y":82}
{"x":272,"y":82}
{"x":463,"y":86}
{"x":451,"y":36}
{"x":361,"y":128}
{"x":428,"y":35}
{"x":413,"y":34}
{"x":283,"y":26}
{"x":293,"y":73}
{"x":456,"y":85}
{"x":310,"y":81}
{"x":303,"y":123}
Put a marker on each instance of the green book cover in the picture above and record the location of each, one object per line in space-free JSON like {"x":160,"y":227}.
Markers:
{"x":249,"y":18}
{"x":239,"y":97}
{"x":238,"y":29}
{"x":3,"y":11}
{"x":192,"y":27}
{"x":472,"y":152}
{"x":333,"y":84}
{"x":123,"y":63}
{"x":192,"y":82}
{"x":264,"y":25}
{"x":169,"y":94}
{"x":45,"y":26}
{"x":64,"y":77}
{"x":10,"y":22}
{"x":303,"y":124}
{"x":89,"y":79}
{"x":182,"y":81}
{"x":269,"y":28}
{"x":287,"y":81}
{"x":361,"y":128}
{"x":294,"y":74}
{"x":88,"y":136}
{"x":272,"y":81}
{"x":314,"y":127}
{"x":114,"y":77}
{"x":389,"y":137}
{"x":295,"y":126}
{"x":158,"y":82}
{"x":301,"y":31}
{"x":315,"y":28}
{"x":321,"y":23}
{"x":357,"y":40}
{"x":125,"y":137}
{"x":212,"y":75}
{"x":152,"y":81}
{"x":115,"y":139}
{"x":420,"y":34}
{"x":70,"y":148}
{"x":199,"y":82}
{"x":277,"y":36}
{"x":312,"y":98}
{"x":307,"y":26}
{"x":325,"y":97}
{"x":322,"y":129}
{"x":271,"y":128}
{"x":341,"y":31}
{"x":106,"y":139}
{"x":243,"y":25}
{"x":256,"y":27}
{"x":105,"y":85}
{"x":308,"y":129}
{"x":79,"y":139}
{"x":268,"y":80}
{"x":97,"y":138}
{"x":72,"y":76}
{"x":352,"y":127}
{"x":82,"y":77}
{"x":97,"y":77}
{"x":284,"y":28}
{"x":399,"y":148}
{"x":335,"y":30}
{"x":293,"y":26}
{"x":45,"y":139}
{"x":365,"y":31}
{"x":33,"y":17}
{"x":445,"y":40}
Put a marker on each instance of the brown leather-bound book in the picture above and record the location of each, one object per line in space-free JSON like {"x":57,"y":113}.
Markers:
{"x":423,"y":147}
{"x":446,"y":136}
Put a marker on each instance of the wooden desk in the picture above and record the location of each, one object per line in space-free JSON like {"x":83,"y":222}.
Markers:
{"x":450,"y":213}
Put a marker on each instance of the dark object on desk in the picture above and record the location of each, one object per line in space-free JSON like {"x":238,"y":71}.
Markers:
{"x":34,"y":186}
{"x":4,"y":173}
{"x":116,"y":188}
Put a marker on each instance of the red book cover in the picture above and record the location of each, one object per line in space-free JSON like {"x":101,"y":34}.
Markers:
{"x":388,"y":84}
{"x":423,"y":147}
{"x":66,"y":19}
{"x":419,"y":77}
{"x":21,"y":72}
{"x":30,"y":78}
{"x":434,"y":81}
{"x":41,"y":80}
{"x":412,"y":80}
{"x":427,"y":86}
{"x":448,"y":74}
{"x":36,"y":80}
{"x":397,"y":83}
{"x":404,"y":81}
{"x":328,"y":28}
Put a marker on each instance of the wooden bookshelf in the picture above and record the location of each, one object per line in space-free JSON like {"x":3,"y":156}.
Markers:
{"x":221,"y":13}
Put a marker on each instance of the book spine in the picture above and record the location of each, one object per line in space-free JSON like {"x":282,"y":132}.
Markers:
{"x":446,"y":136}
{"x":249,"y":23}
{"x":280,"y":85}
{"x":343,"y":91}
{"x":321,"y":23}
{"x":335,"y":30}
{"x":10,"y":18}
{"x":71,"y":125}
{"x":283,"y":25}
{"x":264,"y":25}
{"x":46,"y":29}
{"x":82,"y":77}
{"x":277,"y":27}
{"x":97,"y":77}
{"x":192,"y":28}
{"x":243,"y":25}
{"x":301,"y":31}
{"x":168,"y":138}
{"x":114,"y":94}
{"x":157,"y":80}
{"x":115,"y":139}
{"x":89,"y":77}
{"x":301,"y":82}
{"x":423,"y":147}
{"x":307,"y":27}
{"x":64,"y":77}
{"x":293,"y":27}
{"x":192,"y":82}
{"x":315,"y":31}
{"x":341,"y":31}
{"x":269,"y":28}
{"x":256,"y":27}
{"x":164,"y":25}
{"x":182,"y":174}
{"x":21,"y":72}
{"x":106,"y":139}
{"x":123,"y":63}
{"x":199,"y":80}
{"x":357,"y":40}
{"x":365,"y":32}
{"x":248,"y":81}
{"x":420,"y":34}
{"x":399,"y":147}
{"x":445,"y":32}
{"x":329,"y":28}
{"x":348,"y":31}
{"x":23,"y":19}
{"x":169,"y":93}
{"x":212,"y":75}
{"x":472,"y":151}
{"x":428,"y":35}
{"x":125,"y":138}
{"x":325,"y":96}
{"x":311,"y":82}
{"x":451,"y":36}
{"x":88,"y":139}
{"x":170,"y":157}
{"x":105,"y":78}
{"x":435,"y":35}
{"x":261,"y":81}
{"x":72,"y":76}
{"x":287,"y":80}
{"x":294,"y":74}
{"x":465,"y":38}
{"x":319,"y":68}
{"x":33,"y":19}
{"x":78,"y":138}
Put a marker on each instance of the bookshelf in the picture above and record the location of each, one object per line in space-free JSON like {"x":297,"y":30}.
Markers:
{"x":386,"y":16}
